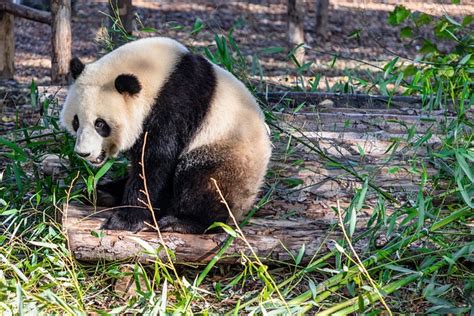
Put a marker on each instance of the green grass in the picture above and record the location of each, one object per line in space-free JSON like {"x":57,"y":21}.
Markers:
{"x":427,"y":260}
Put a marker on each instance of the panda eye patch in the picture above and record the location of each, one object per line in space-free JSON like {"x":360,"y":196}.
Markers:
{"x":102,"y":128}
{"x":75,"y":123}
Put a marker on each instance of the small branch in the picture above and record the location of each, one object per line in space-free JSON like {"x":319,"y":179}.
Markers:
{"x":26,"y":12}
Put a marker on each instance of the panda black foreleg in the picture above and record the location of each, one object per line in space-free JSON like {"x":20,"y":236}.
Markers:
{"x":130,"y":216}
{"x":111,"y":193}
{"x":134,"y":213}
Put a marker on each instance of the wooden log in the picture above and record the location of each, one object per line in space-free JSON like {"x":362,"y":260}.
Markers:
{"x":7,"y":44}
{"x":350,"y":122}
{"x":332,"y":182}
{"x":345,"y":100}
{"x":369,"y":147}
{"x":296,"y":28}
{"x":272,"y":240}
{"x":61,"y":40}
{"x":26,"y":12}
{"x":123,"y":11}
{"x":322,"y":15}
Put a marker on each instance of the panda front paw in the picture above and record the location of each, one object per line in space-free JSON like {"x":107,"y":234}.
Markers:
{"x":131,"y":219}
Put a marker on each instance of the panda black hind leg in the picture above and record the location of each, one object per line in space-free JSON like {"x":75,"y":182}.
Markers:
{"x":196,"y":203}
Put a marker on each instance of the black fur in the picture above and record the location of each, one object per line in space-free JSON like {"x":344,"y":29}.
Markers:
{"x":178,"y":113}
{"x":111,"y":193}
{"x":102,"y":128}
{"x":75,"y":123}
{"x":196,"y":203}
{"x":76,"y":67}
{"x":127,"y":83}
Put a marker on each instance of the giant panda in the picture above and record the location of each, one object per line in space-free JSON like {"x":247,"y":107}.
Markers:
{"x":200,"y":123}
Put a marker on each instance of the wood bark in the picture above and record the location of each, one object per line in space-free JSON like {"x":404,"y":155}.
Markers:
{"x":7,"y":46}
{"x":126,"y":14}
{"x":296,"y":28}
{"x":61,"y":40}
{"x":322,"y":15}
{"x":272,"y":240}
{"x":26,"y":12}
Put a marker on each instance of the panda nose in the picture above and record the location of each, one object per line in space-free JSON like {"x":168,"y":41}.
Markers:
{"x":83,"y":155}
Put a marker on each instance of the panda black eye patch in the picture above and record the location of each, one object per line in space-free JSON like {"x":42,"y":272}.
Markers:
{"x":102,"y":128}
{"x":75,"y":123}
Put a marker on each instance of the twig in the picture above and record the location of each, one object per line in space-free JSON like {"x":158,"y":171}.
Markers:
{"x":150,"y":208}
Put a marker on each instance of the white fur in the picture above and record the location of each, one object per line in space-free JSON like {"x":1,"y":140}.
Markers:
{"x":93,"y":95}
{"x":234,"y":113}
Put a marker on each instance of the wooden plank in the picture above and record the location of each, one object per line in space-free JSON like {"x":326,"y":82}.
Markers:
{"x":343,"y":100}
{"x":25,"y":12}
{"x":270,"y":239}
{"x":355,"y":147}
{"x":61,"y":40}
{"x":362,"y":123}
{"x":7,"y":45}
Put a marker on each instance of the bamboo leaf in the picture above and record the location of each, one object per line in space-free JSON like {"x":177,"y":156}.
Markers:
{"x":300,"y":255}
{"x":229,"y":230}
{"x":464,"y":166}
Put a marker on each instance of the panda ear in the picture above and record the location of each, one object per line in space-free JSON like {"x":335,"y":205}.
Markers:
{"x":76,"y":66}
{"x":128,"y":83}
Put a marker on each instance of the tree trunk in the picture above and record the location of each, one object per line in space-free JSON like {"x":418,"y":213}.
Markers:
{"x":296,"y":28}
{"x":7,"y":46}
{"x":125,"y":13}
{"x":271,"y":239}
{"x":322,"y":11}
{"x":61,"y":40}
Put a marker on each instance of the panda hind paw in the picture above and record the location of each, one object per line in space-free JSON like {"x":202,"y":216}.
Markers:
{"x":170,"y":223}
{"x":126,"y":219}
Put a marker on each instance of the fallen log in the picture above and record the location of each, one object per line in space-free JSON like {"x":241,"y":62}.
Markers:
{"x":272,"y":240}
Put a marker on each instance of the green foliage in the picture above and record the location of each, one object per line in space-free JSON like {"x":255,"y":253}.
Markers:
{"x":398,"y":15}
{"x":226,"y":53}
{"x":435,"y":69}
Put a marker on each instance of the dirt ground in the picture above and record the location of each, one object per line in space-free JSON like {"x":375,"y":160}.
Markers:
{"x":258,"y":25}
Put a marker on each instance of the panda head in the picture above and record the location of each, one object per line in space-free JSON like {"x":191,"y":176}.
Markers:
{"x":108,"y":103}
{"x":101,"y":111}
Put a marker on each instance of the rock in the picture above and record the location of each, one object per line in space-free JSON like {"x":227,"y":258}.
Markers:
{"x":52,"y":164}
